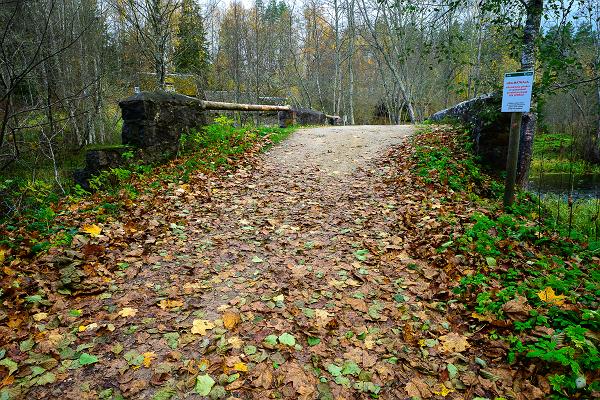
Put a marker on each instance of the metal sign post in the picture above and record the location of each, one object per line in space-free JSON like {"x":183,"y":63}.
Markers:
{"x":516,"y":99}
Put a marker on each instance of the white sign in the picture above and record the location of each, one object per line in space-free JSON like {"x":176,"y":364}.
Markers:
{"x":516,"y":94}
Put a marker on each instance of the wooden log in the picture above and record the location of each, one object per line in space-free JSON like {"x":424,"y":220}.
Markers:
{"x":218,"y":105}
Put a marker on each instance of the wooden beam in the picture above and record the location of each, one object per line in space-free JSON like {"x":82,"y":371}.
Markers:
{"x":219,"y":105}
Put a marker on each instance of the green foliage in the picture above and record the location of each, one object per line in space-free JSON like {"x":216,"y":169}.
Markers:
{"x":559,"y":153}
{"x":439,"y":163}
{"x":191,"y":50}
{"x":522,"y":257}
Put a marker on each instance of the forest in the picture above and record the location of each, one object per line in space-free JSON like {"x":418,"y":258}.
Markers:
{"x":365,"y":253}
{"x":368,"y":61}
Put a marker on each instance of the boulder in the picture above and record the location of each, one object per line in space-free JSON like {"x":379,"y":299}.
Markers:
{"x":98,"y":160}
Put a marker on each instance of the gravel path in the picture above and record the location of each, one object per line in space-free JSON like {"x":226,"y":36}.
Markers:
{"x":336,"y":149}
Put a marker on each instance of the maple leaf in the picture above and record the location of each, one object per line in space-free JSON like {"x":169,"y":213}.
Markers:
{"x":200,"y":326}
{"x":454,"y":343}
{"x":92,"y":230}
{"x":164,"y":304}
{"x":128,"y":312}
{"x":235,"y":342}
{"x":549,"y":296}
{"x":231,"y":319}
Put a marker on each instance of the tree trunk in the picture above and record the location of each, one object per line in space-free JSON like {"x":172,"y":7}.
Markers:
{"x":528,"y":53}
{"x":350,"y":11}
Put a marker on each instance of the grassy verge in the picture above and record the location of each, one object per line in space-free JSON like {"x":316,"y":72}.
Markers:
{"x":526,"y":284}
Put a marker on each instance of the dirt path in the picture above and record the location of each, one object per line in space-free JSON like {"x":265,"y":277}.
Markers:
{"x":292,"y":282}
{"x":336,"y":149}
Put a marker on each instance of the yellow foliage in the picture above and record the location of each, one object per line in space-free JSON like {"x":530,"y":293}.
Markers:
{"x":200,"y":326}
{"x":128,"y":312}
{"x":92,"y":230}
{"x":548,"y":296}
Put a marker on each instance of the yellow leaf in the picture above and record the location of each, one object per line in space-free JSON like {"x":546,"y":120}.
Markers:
{"x":453,"y":343}
{"x":200,"y":326}
{"x":128,"y":312}
{"x":40,"y":316}
{"x":231,"y":319}
{"x":93,"y":230}
{"x":240,"y":366}
{"x":279,"y":298}
{"x":82,"y":328}
{"x":148,"y":357}
{"x":484,"y":317}
{"x":2,"y":257}
{"x":235,"y":342}
{"x":164,"y":304}
{"x":547,"y":295}
{"x":322,"y":316}
{"x":444,"y":391}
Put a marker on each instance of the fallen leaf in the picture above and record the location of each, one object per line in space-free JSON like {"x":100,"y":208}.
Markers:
{"x":92,"y":230}
{"x":235,"y":342}
{"x":128,"y":312}
{"x":417,"y":389}
{"x":444,"y":391}
{"x":148,"y":357}
{"x":200,"y":326}
{"x":517,"y":308}
{"x":288,"y":339}
{"x":264,"y":376}
{"x":203,"y":384}
{"x":453,"y":343}
{"x":40,"y":316}
{"x":231,"y":319}
{"x":87,"y":359}
{"x":164,"y":304}
{"x":549,"y":296}
{"x":240,"y":366}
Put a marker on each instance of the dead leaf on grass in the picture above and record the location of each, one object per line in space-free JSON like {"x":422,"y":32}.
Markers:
{"x":453,"y":343}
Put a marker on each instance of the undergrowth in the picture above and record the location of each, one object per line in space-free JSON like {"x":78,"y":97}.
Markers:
{"x":534,"y":284}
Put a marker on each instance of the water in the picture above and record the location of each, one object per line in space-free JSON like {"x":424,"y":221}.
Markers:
{"x":584,"y":186}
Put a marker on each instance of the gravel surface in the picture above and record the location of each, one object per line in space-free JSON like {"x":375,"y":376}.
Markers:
{"x":336,"y":149}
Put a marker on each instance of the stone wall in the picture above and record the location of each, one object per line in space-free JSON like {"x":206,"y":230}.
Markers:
{"x":488,"y":126}
{"x":153,"y":122}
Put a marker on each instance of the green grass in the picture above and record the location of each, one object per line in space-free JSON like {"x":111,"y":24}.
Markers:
{"x":557,"y":152}
{"x":579,"y":220}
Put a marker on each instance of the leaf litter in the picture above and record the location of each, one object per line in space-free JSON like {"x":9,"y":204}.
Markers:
{"x":336,"y":291}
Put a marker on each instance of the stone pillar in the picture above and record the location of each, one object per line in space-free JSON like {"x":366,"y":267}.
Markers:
{"x":286,"y":118}
{"x":153,"y":122}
